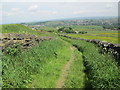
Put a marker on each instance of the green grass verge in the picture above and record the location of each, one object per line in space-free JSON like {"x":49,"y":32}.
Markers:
{"x":102,"y":70}
{"x":76,"y":76}
{"x":40,"y":66}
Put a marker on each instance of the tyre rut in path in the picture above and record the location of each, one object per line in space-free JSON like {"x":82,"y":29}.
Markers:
{"x":61,"y":80}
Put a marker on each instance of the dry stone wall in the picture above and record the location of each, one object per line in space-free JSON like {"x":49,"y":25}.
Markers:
{"x":106,"y":47}
{"x":26,"y":41}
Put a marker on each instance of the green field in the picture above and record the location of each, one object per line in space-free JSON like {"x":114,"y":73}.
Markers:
{"x":93,"y":32}
{"x":87,"y":28}
{"x":108,"y":36}
{"x":20,"y":29}
{"x":62,"y":62}
{"x":17,"y":28}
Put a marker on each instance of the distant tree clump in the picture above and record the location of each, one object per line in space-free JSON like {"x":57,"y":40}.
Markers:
{"x":82,"y":32}
{"x":66,"y":29}
{"x":112,"y":27}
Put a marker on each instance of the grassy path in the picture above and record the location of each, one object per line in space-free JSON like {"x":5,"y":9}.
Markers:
{"x":64,"y":73}
{"x":35,"y":68}
{"x":58,"y":54}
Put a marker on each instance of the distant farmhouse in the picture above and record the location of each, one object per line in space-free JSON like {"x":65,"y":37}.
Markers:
{"x":34,"y":28}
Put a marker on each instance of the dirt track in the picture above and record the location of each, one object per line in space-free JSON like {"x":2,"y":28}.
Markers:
{"x":61,"y":80}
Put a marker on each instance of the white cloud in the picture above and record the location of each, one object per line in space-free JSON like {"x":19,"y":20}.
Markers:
{"x":54,"y":12}
{"x":15,"y":9}
{"x":33,"y":8}
{"x":59,"y":0}
{"x":12,"y":12}
{"x":8,"y":13}
{"x":44,"y":13}
{"x":16,"y":12}
{"x":80,"y":12}
{"x":109,"y":5}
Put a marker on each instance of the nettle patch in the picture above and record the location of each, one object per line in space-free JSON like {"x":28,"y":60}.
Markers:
{"x":13,"y":50}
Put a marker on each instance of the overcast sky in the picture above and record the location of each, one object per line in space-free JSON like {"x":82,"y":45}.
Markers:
{"x":17,"y":12}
